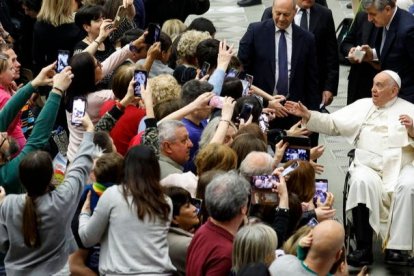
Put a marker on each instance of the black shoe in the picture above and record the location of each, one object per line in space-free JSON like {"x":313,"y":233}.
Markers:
{"x":360,"y":257}
{"x":248,"y":3}
{"x":349,"y":6}
{"x":399,"y":257}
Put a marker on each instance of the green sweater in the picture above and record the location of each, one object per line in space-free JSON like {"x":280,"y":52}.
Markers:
{"x":9,"y":172}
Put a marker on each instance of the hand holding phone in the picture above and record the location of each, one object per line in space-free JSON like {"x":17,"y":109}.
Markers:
{"x":140,"y":78}
{"x":63,"y":60}
{"x":78,"y":111}
{"x":216,"y":102}
{"x":154,"y":32}
{"x":246,"y":111}
{"x":204,"y":69}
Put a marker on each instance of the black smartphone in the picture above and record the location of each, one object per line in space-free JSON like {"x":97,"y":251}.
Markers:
{"x":140,"y":77}
{"x":153,"y":35}
{"x":204,"y":69}
{"x":197,"y":203}
{"x":78,"y":111}
{"x":321,"y":188}
{"x":299,"y":148}
{"x":246,"y":111}
{"x":62,"y":60}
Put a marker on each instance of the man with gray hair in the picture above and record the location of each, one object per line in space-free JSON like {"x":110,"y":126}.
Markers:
{"x":175,"y":146}
{"x":394,"y":47}
{"x":381,"y":186}
{"x":209,"y":253}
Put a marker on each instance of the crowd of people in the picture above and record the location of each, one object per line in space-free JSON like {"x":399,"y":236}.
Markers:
{"x":134,"y":144}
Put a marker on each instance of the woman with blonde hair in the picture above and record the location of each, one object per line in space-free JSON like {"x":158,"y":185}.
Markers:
{"x":54,"y":30}
{"x":215,"y":157}
{"x":173,"y":28}
{"x":254,"y":244}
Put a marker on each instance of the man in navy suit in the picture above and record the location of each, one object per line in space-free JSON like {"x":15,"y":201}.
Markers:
{"x":319,"y":21}
{"x":394,"y":47}
{"x":259,"y":54}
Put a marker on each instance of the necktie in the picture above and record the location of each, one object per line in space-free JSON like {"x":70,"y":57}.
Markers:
{"x":384,"y":37}
{"x":283,"y":78}
{"x":304,"y":20}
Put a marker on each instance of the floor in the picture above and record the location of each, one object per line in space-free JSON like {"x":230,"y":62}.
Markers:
{"x":231,"y":22}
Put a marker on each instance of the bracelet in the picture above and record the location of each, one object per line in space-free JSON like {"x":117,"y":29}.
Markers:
{"x":282,"y":210}
{"x":58,"y":89}
{"x":85,"y":214}
{"x":223,"y":120}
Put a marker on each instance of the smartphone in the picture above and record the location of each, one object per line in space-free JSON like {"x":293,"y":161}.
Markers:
{"x":247,"y":83}
{"x":63,"y":60}
{"x":321,"y":188}
{"x":204,"y":69}
{"x":290,"y":169}
{"x":197,"y":203}
{"x":78,"y":111}
{"x":264,"y":181}
{"x":246,"y":111}
{"x":119,"y":15}
{"x":217,"y":102}
{"x":312,"y":222}
{"x":232,"y":73}
{"x":140,"y":77}
{"x":153,"y":35}
{"x":299,"y":148}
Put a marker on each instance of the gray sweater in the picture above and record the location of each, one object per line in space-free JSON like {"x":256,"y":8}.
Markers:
{"x":55,"y":211}
{"x":128,"y":245}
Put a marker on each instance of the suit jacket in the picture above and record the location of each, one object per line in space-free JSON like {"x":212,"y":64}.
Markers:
{"x":398,"y":51}
{"x":361,"y":75}
{"x":322,"y":25}
{"x":257,"y":54}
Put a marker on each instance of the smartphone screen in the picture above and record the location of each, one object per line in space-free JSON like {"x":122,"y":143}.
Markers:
{"x":232,"y":73}
{"x":299,"y":148}
{"x":197,"y":203}
{"x":249,"y":79}
{"x":264,"y":181}
{"x":204,"y":69}
{"x":78,"y":111}
{"x":153,"y":35}
{"x":312,"y":222}
{"x":290,"y":169}
{"x":140,"y":77}
{"x":246,"y":111}
{"x":321,"y":188}
{"x":217,"y":102}
{"x":63,"y":60}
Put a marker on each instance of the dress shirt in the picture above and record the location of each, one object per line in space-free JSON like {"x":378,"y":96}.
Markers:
{"x":298,"y":16}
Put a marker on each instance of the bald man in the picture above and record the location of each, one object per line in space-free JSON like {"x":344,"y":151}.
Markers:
{"x":327,"y":241}
{"x":381,"y":188}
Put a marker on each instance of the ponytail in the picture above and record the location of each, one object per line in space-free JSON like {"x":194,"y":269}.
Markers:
{"x":29,"y":226}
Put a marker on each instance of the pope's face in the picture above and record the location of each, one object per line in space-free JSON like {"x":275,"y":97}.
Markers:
{"x":383,"y":89}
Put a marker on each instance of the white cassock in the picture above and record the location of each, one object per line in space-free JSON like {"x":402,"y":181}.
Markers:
{"x":382,"y":174}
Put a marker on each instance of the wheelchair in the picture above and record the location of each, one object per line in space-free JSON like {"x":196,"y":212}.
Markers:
{"x":350,"y":239}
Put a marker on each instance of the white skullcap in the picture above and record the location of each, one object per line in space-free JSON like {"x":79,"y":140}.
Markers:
{"x":394,"y":76}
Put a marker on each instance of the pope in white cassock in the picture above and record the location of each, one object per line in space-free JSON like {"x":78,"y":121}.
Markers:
{"x":381,"y":194}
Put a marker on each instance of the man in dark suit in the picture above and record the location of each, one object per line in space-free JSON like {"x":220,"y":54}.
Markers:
{"x":293,"y":74}
{"x":361,"y":74}
{"x":259,"y":58}
{"x":319,"y":21}
{"x":394,"y":46}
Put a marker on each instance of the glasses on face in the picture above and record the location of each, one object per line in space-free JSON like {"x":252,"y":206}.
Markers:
{"x":4,"y":137}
